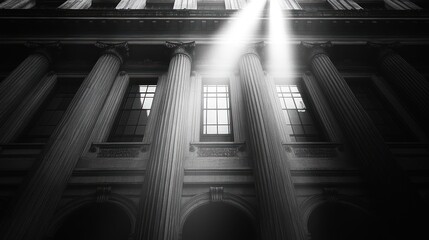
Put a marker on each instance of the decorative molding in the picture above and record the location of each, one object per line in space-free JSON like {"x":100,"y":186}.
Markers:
{"x":118,"y":153}
{"x":216,"y":194}
{"x":102,"y":193}
{"x":118,"y":150}
{"x":186,"y":48}
{"x":120,"y":49}
{"x":217,"y":149}
{"x":321,"y":150}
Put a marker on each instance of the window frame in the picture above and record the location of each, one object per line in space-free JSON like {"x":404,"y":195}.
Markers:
{"x":216,"y":137}
{"x":307,"y":97}
{"x":134,"y":80}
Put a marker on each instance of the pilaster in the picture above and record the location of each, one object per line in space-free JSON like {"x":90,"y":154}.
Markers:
{"x":131,"y":4}
{"x":42,"y":192}
{"x":159,"y":212}
{"x":17,"y":85}
{"x":26,"y":110}
{"x":278,"y":208}
{"x":185,"y":4}
{"x":76,"y":4}
{"x":18,"y":4}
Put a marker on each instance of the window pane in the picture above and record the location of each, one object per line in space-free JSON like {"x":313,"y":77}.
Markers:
{"x":216,"y":113}
{"x":133,"y":115}
{"x":299,"y":119}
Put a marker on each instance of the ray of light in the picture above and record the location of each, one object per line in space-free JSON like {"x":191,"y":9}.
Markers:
{"x":232,"y":40}
{"x":280,"y":54}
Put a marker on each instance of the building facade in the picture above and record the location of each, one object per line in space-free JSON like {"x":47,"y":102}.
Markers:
{"x":113,"y":124}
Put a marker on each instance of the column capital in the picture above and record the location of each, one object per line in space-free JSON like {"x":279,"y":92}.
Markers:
{"x":47,"y":49}
{"x":120,"y":50}
{"x":315,"y":48}
{"x":384,"y":48}
{"x":186,"y":48}
{"x":254,"y":48}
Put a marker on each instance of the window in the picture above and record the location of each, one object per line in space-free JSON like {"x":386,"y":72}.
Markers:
{"x":300,"y":121}
{"x":131,"y":121}
{"x":379,"y":110}
{"x":216,"y":112}
{"x":211,"y":5}
{"x":50,"y":113}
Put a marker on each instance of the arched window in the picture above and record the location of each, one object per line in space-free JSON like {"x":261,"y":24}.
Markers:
{"x":216,"y":221}
{"x":95,"y":221}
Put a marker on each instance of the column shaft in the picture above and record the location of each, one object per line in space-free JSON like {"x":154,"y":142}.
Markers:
{"x":289,"y":5}
{"x":131,"y":4}
{"x":106,"y":118}
{"x":17,"y":85}
{"x":344,"y":5}
{"x":43,"y":191}
{"x":234,"y":4}
{"x":278,"y":208}
{"x":26,"y":110}
{"x":76,"y":4}
{"x":401,"y":5}
{"x":407,"y":80}
{"x":18,"y":4}
{"x":162,"y":187}
{"x":389,"y":183}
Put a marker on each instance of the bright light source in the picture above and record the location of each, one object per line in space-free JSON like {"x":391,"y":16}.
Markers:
{"x":279,"y":48}
{"x":234,"y":38}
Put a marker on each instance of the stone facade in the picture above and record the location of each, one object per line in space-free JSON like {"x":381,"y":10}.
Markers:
{"x":361,"y":72}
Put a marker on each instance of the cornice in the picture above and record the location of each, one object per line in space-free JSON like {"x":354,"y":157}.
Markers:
{"x":201,"y":14}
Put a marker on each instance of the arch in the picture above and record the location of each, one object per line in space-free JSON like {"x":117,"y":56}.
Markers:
{"x":228,"y":198}
{"x":61,"y":214}
{"x":336,"y":220}
{"x":218,"y":220}
{"x":308,"y":206}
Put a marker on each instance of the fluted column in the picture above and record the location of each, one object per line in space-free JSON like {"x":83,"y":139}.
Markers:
{"x":111,"y":106}
{"x":17,"y":4}
{"x":407,"y":81}
{"x":344,"y":5}
{"x":26,"y":110}
{"x":279,"y":216}
{"x":185,"y":4}
{"x":234,"y":4}
{"x":289,"y":4}
{"x":159,"y":211}
{"x":76,"y":4}
{"x":131,"y":4}
{"x":39,"y":198}
{"x":401,"y":5}
{"x":389,"y":184}
{"x":17,"y":85}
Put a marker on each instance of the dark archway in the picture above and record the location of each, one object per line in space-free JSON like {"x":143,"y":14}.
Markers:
{"x":339,"y":221}
{"x":216,"y":221}
{"x":95,"y":221}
